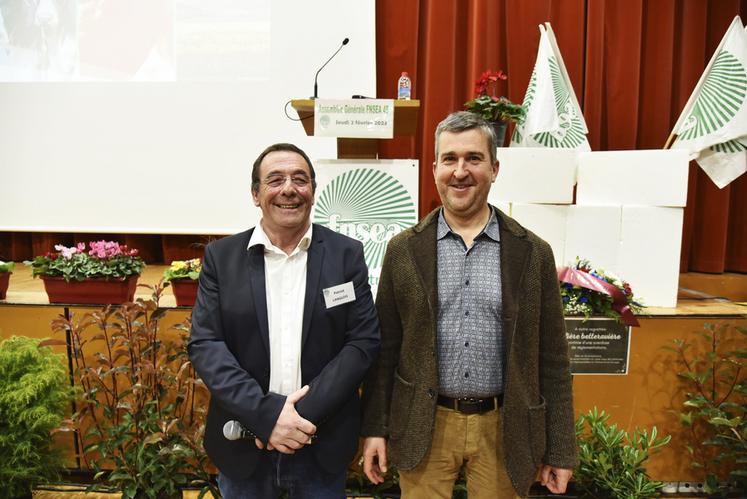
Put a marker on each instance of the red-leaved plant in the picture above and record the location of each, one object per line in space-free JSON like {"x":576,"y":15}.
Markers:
{"x":141,"y":416}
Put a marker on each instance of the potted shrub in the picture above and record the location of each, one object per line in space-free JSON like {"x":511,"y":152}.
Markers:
{"x":713,"y":371}
{"x":35,"y":393}
{"x":102,"y":273}
{"x":612,"y":461}
{"x":141,"y":414}
{"x":6,"y":268}
{"x":497,"y":110}
{"x":183,"y":276}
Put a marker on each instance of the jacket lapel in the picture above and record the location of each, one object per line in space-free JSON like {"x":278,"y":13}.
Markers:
{"x":314,"y":262}
{"x":423,"y":249}
{"x":256,"y":263}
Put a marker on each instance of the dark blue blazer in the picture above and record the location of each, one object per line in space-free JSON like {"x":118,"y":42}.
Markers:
{"x":229,"y":348}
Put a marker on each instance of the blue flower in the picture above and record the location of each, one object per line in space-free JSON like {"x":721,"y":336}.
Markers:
{"x":566,"y":299}
{"x":584,"y":299}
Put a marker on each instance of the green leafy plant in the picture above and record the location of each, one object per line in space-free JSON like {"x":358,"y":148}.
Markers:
{"x":612,"y":461}
{"x":715,"y":408}
{"x":183,"y":269}
{"x":490,"y":106}
{"x":6,"y":266}
{"x":35,"y":394}
{"x":357,"y":483}
{"x":102,"y":259}
{"x":142,"y":412}
{"x":582,"y":292}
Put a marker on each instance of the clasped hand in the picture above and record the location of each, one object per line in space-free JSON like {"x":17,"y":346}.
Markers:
{"x":291,"y":431}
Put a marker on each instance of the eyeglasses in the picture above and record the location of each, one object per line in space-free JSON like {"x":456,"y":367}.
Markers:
{"x":276,"y":181}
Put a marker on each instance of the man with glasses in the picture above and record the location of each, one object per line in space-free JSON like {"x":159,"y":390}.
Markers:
{"x":283,"y":331}
{"x":473,"y":374}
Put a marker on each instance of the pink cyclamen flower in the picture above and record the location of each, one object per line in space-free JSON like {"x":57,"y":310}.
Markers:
{"x":67,"y":253}
{"x":104,"y":249}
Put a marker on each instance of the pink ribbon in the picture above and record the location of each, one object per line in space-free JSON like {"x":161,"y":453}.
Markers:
{"x":588,"y":281}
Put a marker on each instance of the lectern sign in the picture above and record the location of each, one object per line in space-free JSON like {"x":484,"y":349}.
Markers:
{"x":354,"y":118}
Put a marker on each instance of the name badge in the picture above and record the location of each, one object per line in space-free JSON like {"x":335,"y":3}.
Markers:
{"x":337,"y":295}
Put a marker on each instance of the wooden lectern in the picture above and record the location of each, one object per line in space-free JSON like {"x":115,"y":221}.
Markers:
{"x":405,"y":124}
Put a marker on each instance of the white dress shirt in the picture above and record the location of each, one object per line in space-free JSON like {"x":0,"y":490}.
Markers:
{"x":285,"y":283}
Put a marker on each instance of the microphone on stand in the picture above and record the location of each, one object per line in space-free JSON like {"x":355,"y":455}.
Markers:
{"x":233,"y":430}
{"x":344,"y":42}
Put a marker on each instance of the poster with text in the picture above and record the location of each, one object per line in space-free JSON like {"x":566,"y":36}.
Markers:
{"x":598,"y":346}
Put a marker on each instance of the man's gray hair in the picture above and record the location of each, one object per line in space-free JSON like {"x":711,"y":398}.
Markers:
{"x":462,"y":121}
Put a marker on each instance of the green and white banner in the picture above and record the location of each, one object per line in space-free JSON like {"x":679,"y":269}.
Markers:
{"x":368,"y":200}
{"x":554,"y":117}
{"x":713,"y":124}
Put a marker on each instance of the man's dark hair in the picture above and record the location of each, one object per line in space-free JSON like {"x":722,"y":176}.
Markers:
{"x":283,"y":146}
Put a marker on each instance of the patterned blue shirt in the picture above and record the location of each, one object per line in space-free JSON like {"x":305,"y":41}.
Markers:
{"x":470,"y":330}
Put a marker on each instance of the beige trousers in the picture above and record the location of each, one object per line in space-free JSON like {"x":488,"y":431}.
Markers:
{"x":472,"y":441}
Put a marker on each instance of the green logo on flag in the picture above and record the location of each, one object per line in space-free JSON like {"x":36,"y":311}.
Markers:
{"x":729,"y":147}
{"x":571,"y":131}
{"x":528,"y":98}
{"x":370,"y":206}
{"x":719,"y":100}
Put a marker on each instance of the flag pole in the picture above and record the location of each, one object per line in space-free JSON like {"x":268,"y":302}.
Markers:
{"x":670,"y":140}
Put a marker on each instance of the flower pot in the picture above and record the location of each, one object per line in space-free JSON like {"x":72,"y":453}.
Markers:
{"x":4,"y":280}
{"x":499,"y":127}
{"x":90,"y":291}
{"x":185,"y":291}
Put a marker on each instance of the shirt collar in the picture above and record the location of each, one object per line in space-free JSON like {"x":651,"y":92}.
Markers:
{"x":491,"y":230}
{"x":259,"y":238}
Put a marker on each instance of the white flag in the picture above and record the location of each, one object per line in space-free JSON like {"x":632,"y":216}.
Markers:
{"x":713,"y":124}
{"x":724,"y":162}
{"x":553,"y":118}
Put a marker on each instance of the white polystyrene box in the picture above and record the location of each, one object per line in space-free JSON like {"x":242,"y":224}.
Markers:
{"x":548,"y":221}
{"x":649,"y":258}
{"x":593,"y":233}
{"x":503,"y":206}
{"x":649,"y":177}
{"x":535,"y":175}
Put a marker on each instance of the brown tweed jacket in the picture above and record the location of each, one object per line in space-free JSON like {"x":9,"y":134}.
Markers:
{"x":399,"y":398}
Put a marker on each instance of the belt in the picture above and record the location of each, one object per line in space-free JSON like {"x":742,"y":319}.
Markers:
{"x":470,"y":405}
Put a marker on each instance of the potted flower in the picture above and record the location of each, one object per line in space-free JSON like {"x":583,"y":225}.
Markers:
{"x":104,"y":272}
{"x":497,"y":110}
{"x":6,"y":268}
{"x":183,"y":275}
{"x":590,"y":292}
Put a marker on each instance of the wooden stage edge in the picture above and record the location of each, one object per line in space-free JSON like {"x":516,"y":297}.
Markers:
{"x":699,"y":294}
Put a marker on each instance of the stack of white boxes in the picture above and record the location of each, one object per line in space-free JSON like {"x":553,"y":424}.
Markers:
{"x":627,"y":218}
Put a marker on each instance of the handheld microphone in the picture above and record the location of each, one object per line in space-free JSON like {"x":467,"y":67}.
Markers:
{"x":344,"y":42}
{"x":233,"y":430}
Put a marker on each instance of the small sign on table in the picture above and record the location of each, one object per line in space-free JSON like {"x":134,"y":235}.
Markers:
{"x":597,"y":346}
{"x":354,"y":118}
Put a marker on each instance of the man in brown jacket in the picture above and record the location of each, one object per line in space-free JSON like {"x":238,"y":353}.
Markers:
{"x":473,"y":372}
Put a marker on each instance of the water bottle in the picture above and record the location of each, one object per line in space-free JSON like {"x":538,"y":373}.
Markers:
{"x":404,"y":87}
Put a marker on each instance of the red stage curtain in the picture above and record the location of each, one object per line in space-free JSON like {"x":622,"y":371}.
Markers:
{"x":633,"y":65}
